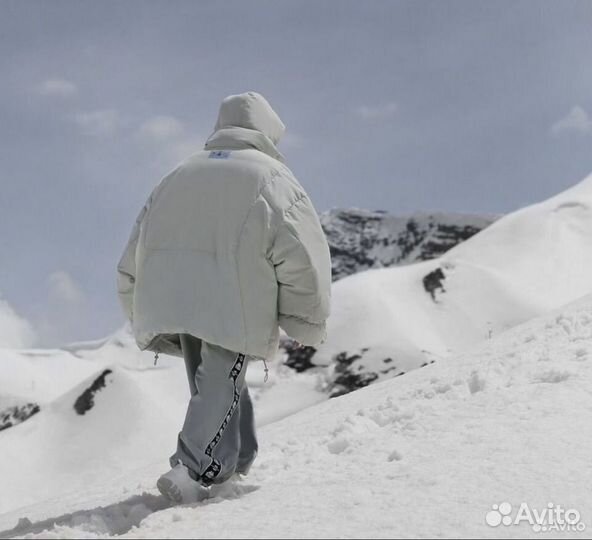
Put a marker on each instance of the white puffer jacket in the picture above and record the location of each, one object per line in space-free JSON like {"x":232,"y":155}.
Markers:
{"x":228,"y":246}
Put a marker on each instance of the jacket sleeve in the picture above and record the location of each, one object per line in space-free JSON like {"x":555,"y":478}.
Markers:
{"x":302,"y":263}
{"x":126,"y":269}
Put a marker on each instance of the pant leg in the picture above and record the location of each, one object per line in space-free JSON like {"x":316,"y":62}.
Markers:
{"x":209,"y":442}
{"x":248,"y":436}
{"x":249,"y":446}
{"x":191,"y":347}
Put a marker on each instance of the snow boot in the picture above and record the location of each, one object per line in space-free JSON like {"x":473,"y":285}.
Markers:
{"x":178,"y":486}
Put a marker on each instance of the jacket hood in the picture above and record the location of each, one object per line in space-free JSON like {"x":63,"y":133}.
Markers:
{"x":251,"y":111}
{"x":247,"y":121}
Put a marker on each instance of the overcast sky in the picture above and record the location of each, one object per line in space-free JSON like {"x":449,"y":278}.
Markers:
{"x":479,"y":106}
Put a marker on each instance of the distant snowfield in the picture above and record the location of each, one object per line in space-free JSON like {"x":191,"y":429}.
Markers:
{"x":425,"y":455}
{"x":523,"y":265}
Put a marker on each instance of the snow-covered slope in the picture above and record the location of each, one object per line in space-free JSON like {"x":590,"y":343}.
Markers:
{"x":425,"y":455}
{"x":388,"y":321}
{"x":107,"y":418}
{"x":363,"y":239}
{"x":101,"y":406}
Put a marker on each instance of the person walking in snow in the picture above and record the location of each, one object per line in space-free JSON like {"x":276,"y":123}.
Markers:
{"x":227,"y":248}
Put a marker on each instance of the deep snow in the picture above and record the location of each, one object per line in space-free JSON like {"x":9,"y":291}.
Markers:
{"x":425,"y":455}
{"x":135,"y":417}
{"x":420,"y":455}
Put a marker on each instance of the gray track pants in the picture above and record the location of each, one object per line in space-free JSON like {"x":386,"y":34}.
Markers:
{"x":218,"y":436}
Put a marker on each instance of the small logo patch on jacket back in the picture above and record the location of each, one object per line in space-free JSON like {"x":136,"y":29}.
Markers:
{"x":219,"y":154}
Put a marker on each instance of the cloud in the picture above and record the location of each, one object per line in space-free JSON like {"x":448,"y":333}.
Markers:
{"x":64,"y":315}
{"x":168,"y":139}
{"x":57,"y":88}
{"x":376,"y":112}
{"x":182,"y":148}
{"x":64,"y":290}
{"x":576,"y":121}
{"x":15,"y":332}
{"x":160,"y":128}
{"x":99,"y":123}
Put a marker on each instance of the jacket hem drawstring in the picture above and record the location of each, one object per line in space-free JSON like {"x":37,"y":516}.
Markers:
{"x":266,"y":369}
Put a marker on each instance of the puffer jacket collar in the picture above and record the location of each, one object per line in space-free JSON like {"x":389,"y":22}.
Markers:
{"x":240,"y":138}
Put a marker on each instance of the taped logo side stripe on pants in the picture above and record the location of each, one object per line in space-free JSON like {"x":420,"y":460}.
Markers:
{"x":215,"y":467}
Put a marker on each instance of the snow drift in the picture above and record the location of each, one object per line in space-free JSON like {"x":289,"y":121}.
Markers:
{"x":424,"y":455}
{"x":388,"y":321}
{"x":95,"y":408}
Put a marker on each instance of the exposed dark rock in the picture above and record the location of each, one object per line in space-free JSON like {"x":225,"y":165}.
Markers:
{"x":353,"y":371}
{"x":364,"y":239}
{"x":86,"y":400}
{"x":345,"y":380}
{"x":428,"y":363}
{"x":433,"y":282}
{"x":299,"y":358}
{"x":344,"y":361}
{"x":389,"y":370}
{"x":14,"y":415}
